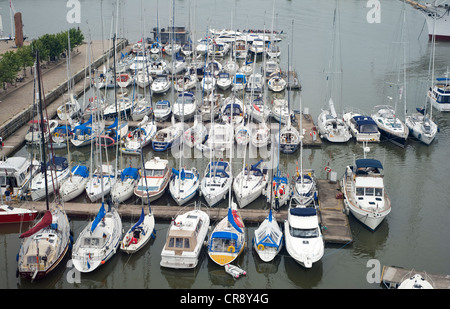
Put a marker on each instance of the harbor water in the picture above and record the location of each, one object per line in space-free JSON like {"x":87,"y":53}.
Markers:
{"x":415,"y":233}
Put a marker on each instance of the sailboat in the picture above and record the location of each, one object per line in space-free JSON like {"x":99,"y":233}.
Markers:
{"x":123,"y":187}
{"x":420,"y":124}
{"x":75,"y":184}
{"x":139,"y":234}
{"x":142,"y":135}
{"x":227,"y":240}
{"x":45,"y":245}
{"x":185,"y":239}
{"x":46,"y":182}
{"x":268,"y":239}
{"x":98,"y":241}
{"x":249,"y":184}
{"x":216,"y":182}
{"x":365,"y":193}
{"x":331,"y":127}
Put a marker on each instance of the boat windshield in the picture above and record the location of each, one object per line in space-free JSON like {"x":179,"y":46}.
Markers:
{"x":360,"y":191}
{"x":304,"y":233}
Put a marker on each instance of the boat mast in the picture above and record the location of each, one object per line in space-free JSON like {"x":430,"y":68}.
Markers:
{"x":41,"y":102}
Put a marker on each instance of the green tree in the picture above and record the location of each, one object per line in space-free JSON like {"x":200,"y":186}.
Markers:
{"x":9,"y":66}
{"x":25,"y":57}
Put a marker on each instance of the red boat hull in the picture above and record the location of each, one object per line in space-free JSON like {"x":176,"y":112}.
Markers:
{"x":17,"y":218}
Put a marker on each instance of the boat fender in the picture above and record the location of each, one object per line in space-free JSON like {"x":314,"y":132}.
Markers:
{"x":231,"y":249}
{"x":261,"y":247}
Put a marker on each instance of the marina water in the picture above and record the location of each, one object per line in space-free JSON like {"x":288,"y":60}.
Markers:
{"x":413,"y":236}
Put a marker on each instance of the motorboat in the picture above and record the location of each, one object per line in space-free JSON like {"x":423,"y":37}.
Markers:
{"x":57,"y":170}
{"x":202,"y":46}
{"x":163,"y":110}
{"x":415,"y":282}
{"x":154,"y":180}
{"x":184,"y":184}
{"x":140,"y":62}
{"x":139,"y":234}
{"x":273,"y":51}
{"x":123,"y":187}
{"x":140,"y":137}
{"x":98,"y":241}
{"x":10,"y":214}
{"x":390,"y":126}
{"x":365,"y":193}
{"x":362,"y":127}
{"x":124,"y":80}
{"x":303,"y":237}
{"x":100,"y":182}
{"x":157,"y":67}
{"x":331,"y":127}
{"x":227,"y":240}
{"x":216,"y":182}
{"x":45,"y":245}
{"x":75,"y":184}
{"x":249,"y":184}
{"x":257,"y":46}
{"x":185,"y":239}
{"x":33,"y":135}
{"x":268,"y":239}
{"x":240,"y":50}
{"x":185,"y":106}
{"x":70,"y":109}
{"x":439,"y":94}
{"x":255,"y":83}
{"x":421,"y":127}
{"x":224,"y":81}
{"x":161,"y":84}
{"x":281,"y":111}
{"x":168,"y":137}
{"x":272,"y":67}
{"x":16,"y":173}
{"x":219,"y":50}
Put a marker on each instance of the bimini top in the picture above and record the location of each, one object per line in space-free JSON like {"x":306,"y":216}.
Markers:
{"x":364,"y":163}
{"x":363,"y":120}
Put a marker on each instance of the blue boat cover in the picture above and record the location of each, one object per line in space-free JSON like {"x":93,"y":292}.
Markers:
{"x":224,"y":235}
{"x":63,"y":129}
{"x":368,"y":163}
{"x":141,"y":219}
{"x":80,"y":170}
{"x":129,"y":172}
{"x":362,"y":120}
{"x":231,"y":220}
{"x":280,"y":180}
{"x":60,"y":162}
{"x":303,"y":211}
{"x":101,"y":213}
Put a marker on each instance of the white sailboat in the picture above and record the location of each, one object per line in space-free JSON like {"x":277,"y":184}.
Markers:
{"x":216,"y":182}
{"x":48,"y":181}
{"x":142,"y":135}
{"x":123,"y":187}
{"x":75,"y":184}
{"x":268,"y":239}
{"x":98,"y":242}
{"x":100,"y":182}
{"x":139,"y":234}
{"x":185,"y":239}
{"x":249,"y":184}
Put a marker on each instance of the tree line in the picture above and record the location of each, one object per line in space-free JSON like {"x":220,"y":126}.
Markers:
{"x":50,"y":46}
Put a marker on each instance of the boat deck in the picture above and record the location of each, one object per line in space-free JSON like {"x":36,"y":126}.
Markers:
{"x":393,"y":276}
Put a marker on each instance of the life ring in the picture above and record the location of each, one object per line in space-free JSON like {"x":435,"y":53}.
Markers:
{"x":231,"y":249}
{"x":261,"y":247}
{"x":56,"y":134}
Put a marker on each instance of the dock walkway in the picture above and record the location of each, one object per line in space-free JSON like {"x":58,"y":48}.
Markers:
{"x":393,"y":276}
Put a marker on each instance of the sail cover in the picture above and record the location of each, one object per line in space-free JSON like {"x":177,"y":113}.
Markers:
{"x":232,"y":221}
{"x":98,"y":218}
{"x":45,"y":221}
{"x":141,"y":219}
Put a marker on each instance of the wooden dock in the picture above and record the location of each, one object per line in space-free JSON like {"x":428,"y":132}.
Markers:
{"x":393,"y":276}
{"x":335,"y":224}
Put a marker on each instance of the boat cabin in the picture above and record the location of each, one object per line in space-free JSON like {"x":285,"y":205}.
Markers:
{"x":183,"y":235}
{"x":303,"y":222}
{"x":14,"y":172}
